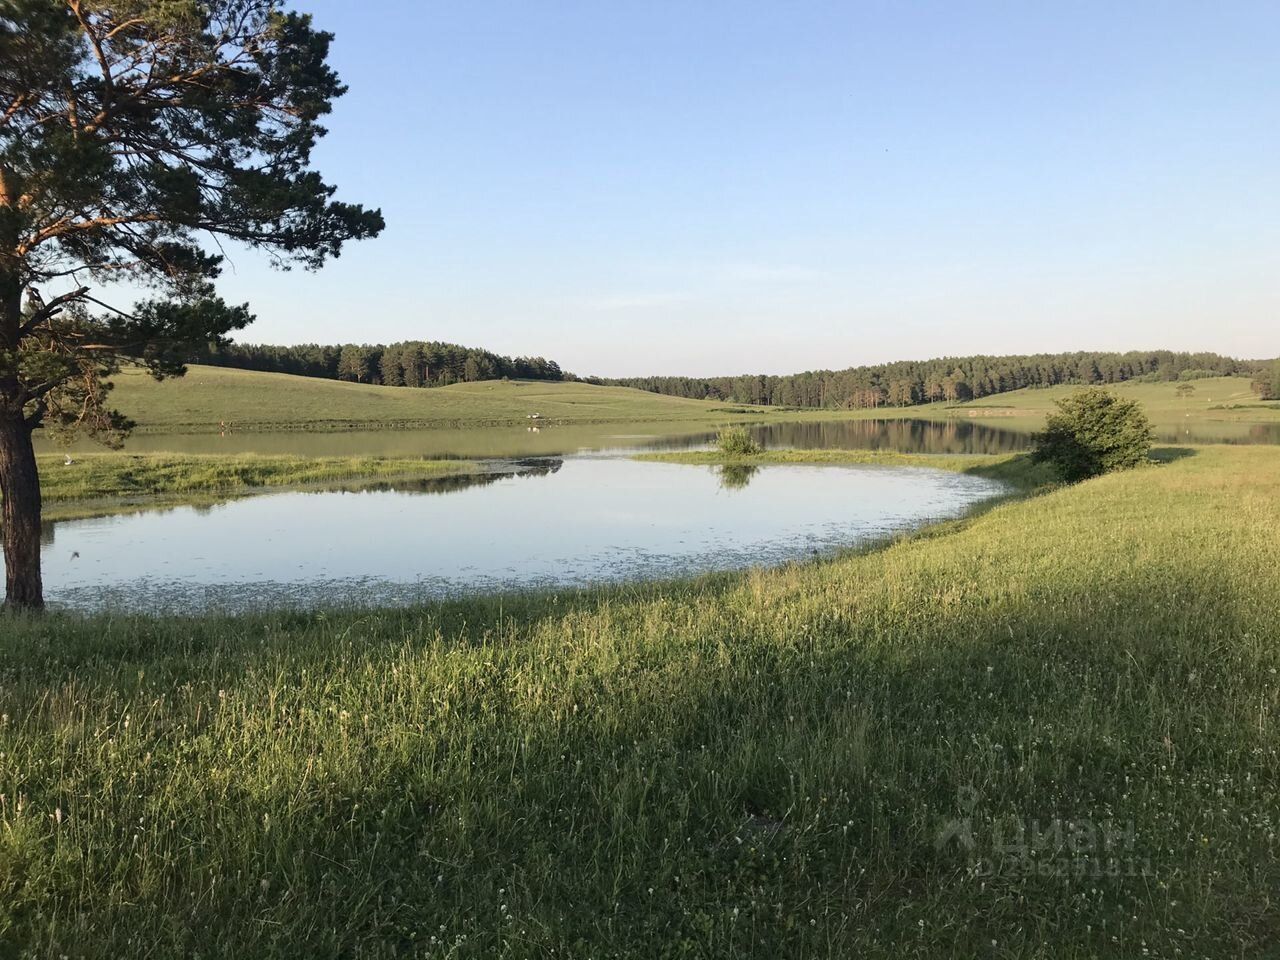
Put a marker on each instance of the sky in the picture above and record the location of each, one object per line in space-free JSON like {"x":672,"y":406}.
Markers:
{"x":638,"y":186}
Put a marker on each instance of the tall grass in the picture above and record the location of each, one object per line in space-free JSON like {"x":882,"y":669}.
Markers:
{"x":832,"y":759}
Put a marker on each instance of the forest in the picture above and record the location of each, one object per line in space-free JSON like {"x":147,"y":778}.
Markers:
{"x":410,"y":363}
{"x":423,"y":363}
{"x":909,"y":382}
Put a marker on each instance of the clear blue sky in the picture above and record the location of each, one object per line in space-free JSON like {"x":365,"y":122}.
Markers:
{"x":720,"y":187}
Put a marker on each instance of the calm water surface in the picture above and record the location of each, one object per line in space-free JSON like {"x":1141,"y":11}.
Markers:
{"x":905,"y":436}
{"x":577,"y":513}
{"x":556,"y":523}
{"x":956,"y":436}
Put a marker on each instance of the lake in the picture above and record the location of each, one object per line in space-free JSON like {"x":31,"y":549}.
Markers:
{"x":551,"y":439}
{"x":558,"y":506}
{"x":954,"y":436}
{"x":549,"y":523}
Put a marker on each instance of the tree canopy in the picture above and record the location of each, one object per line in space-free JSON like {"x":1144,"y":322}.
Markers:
{"x":408,"y":363}
{"x":135,"y":138}
{"x":909,"y":382}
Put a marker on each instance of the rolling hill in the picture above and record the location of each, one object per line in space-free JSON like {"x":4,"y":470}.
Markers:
{"x":209,"y":396}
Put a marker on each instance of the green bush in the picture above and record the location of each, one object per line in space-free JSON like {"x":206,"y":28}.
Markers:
{"x":737,"y":442}
{"x":1094,"y":432}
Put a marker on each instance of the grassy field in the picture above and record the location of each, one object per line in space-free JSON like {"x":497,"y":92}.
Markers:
{"x":1225,"y":406}
{"x":1221,"y":409}
{"x":116,"y":482}
{"x":1045,"y":731}
{"x":209,"y":396}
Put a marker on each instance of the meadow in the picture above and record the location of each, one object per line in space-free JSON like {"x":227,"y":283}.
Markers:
{"x":208,"y":398}
{"x":1225,"y":404}
{"x":1047,"y":730}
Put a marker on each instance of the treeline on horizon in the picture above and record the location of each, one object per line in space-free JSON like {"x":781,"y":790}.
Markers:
{"x":410,"y":363}
{"x":431,"y":363}
{"x":908,"y":382}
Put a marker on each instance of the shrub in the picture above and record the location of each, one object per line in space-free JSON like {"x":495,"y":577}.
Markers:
{"x":737,"y":442}
{"x":1094,"y":432}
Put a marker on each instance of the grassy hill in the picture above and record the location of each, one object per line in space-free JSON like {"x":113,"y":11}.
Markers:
{"x":208,"y":396}
{"x":1222,"y":408}
{"x":1217,"y":398}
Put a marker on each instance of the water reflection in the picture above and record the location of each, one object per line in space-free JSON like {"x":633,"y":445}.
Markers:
{"x":736,"y":476}
{"x":1224,"y":431}
{"x":900,"y":436}
{"x":491,"y":472}
{"x":599,"y":520}
{"x":953,"y":435}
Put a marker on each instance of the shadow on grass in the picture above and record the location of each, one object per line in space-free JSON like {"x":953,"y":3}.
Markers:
{"x":1171,"y":454}
{"x":586,"y":781}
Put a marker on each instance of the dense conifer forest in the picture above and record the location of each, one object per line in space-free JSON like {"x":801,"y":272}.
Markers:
{"x":909,"y":382}
{"x":411,"y":363}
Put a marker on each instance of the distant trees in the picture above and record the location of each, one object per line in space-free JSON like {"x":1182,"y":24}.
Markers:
{"x":949,"y":379}
{"x":1094,"y":432}
{"x":1266,"y":382}
{"x":411,"y":363}
{"x":353,"y":363}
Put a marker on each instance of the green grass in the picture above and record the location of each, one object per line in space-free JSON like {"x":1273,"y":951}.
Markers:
{"x":1225,"y":402}
{"x":117,"y":482}
{"x":1221,"y":409}
{"x":756,"y":765}
{"x":247,"y":400}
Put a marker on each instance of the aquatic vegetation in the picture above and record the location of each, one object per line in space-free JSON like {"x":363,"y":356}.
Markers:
{"x":737,"y":442}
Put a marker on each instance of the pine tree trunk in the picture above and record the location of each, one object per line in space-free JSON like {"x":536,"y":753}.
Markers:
{"x":19,"y":481}
{"x":20,"y":486}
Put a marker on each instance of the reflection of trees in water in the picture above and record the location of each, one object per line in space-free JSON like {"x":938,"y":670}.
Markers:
{"x":900,"y":436}
{"x":541,"y":467}
{"x":1225,"y":432}
{"x":735,"y":476}
{"x":903,"y":436}
{"x":452,"y":483}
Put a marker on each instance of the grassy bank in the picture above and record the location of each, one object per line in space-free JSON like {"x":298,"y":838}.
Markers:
{"x":1048,"y":732}
{"x":107,"y":482}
